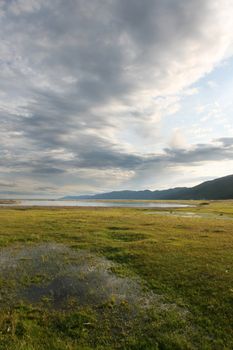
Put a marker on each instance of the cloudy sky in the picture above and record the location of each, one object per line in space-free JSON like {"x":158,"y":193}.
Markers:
{"x":114,"y":94}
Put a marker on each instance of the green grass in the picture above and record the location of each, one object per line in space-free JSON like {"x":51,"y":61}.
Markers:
{"x":188,"y":261}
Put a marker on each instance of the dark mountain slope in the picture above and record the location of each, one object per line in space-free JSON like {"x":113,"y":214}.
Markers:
{"x":221,"y":188}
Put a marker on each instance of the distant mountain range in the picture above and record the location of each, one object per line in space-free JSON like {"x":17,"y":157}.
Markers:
{"x":221,"y":188}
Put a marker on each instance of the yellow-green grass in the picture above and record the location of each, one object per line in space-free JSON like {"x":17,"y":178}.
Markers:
{"x":186,"y":260}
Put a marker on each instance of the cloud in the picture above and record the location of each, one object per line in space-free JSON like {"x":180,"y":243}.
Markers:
{"x":19,"y":7}
{"x":178,"y":140}
{"x":221,"y":150}
{"x":77,"y":76}
{"x":226,"y":141}
{"x":212,"y":84}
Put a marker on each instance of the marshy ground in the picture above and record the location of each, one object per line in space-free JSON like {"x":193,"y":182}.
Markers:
{"x":122,"y":278}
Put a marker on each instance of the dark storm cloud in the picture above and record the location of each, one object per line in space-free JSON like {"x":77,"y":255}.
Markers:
{"x":76,"y":74}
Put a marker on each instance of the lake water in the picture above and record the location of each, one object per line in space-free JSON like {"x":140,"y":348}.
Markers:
{"x":92,"y":203}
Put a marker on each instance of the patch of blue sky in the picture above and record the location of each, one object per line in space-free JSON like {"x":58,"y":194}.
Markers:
{"x":208,"y":114}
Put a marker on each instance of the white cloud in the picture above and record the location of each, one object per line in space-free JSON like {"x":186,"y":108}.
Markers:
{"x":191,"y":91}
{"x":178,"y":140}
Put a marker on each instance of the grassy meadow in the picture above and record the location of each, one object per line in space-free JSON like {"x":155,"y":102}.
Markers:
{"x":176,"y":266}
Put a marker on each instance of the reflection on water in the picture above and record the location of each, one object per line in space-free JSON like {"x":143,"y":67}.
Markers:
{"x":92,"y":203}
{"x":58,"y":273}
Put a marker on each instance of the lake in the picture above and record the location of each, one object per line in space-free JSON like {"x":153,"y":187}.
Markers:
{"x":94,"y":203}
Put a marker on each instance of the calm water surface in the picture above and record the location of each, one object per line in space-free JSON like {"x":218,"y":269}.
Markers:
{"x":92,"y":203}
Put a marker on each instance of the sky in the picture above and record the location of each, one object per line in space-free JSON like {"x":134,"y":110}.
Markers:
{"x":107,"y":95}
